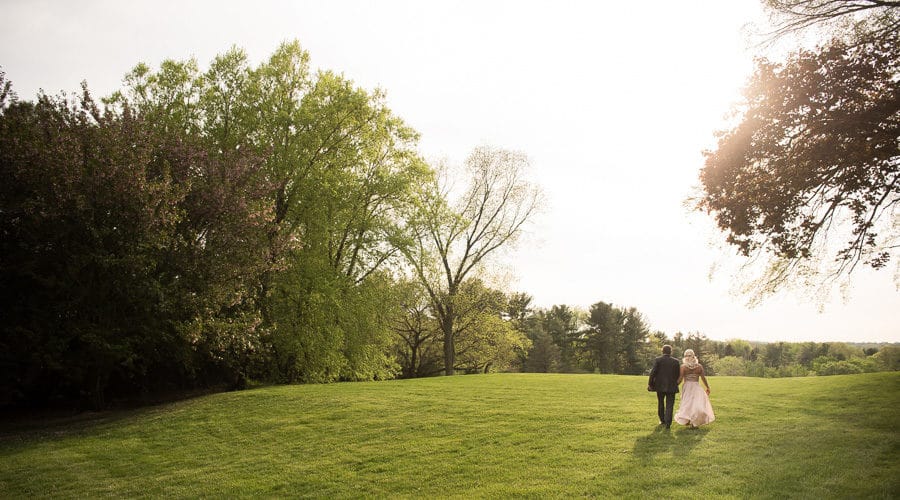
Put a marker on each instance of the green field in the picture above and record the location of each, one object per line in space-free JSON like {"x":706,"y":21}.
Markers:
{"x":504,"y":435}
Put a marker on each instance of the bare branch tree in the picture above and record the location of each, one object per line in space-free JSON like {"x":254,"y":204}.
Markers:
{"x":457,"y":232}
{"x":877,"y":18}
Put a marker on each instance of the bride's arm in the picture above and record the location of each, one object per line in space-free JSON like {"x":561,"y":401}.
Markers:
{"x":703,"y":376}
{"x":680,"y":375}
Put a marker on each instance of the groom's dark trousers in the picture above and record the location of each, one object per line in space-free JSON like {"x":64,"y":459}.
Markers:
{"x":666,"y":407}
{"x":664,"y":380}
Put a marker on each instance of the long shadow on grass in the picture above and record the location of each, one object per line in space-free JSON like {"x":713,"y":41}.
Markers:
{"x":23,"y":426}
{"x":665,"y":444}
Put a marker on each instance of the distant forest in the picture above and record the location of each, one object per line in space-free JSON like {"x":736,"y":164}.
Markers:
{"x":608,"y":339}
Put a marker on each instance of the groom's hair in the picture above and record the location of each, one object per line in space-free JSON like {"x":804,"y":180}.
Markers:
{"x":667,"y":349}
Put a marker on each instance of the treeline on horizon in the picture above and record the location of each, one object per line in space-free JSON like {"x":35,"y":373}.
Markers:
{"x":210,"y":229}
{"x":568,"y":340}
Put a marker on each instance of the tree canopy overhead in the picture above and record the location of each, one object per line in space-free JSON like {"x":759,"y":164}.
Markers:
{"x":809,"y":176}
{"x":875,"y":17}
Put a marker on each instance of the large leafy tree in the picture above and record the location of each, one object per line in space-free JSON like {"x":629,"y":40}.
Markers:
{"x":352,"y":169}
{"x":809,"y":176}
{"x":343,"y":169}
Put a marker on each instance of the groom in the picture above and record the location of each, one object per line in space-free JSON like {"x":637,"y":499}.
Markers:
{"x":664,"y":380}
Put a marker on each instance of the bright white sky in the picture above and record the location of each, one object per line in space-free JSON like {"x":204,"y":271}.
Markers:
{"x":612,"y":101}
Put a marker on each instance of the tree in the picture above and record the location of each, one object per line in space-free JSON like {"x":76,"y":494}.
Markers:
{"x":730,"y":365}
{"x":843,"y":351}
{"x":544,"y":355}
{"x":875,"y":17}
{"x":777,"y":354}
{"x":458,"y":229}
{"x":699,"y":343}
{"x":417,"y":349}
{"x":519,"y":307}
{"x":350,"y":194}
{"x":617,"y":339}
{"x":485,"y":339}
{"x":740,"y":348}
{"x":888,"y":357}
{"x":605,"y":326}
{"x":562,"y":324}
{"x":808,"y":351}
{"x":7,"y":95}
{"x":633,"y":356}
{"x":814,"y":159}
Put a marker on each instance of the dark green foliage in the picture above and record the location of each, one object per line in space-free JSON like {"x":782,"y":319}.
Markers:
{"x":544,"y":355}
{"x":605,"y":324}
{"x":606,"y":340}
{"x":616,"y":339}
{"x":561,"y":323}
{"x":127,"y":253}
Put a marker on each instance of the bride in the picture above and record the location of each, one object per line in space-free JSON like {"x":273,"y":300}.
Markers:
{"x":694,"y":409}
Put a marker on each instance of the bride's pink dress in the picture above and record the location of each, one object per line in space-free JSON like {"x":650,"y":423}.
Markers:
{"x":695,"y":408}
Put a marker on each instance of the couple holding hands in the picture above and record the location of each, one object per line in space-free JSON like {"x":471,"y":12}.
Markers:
{"x":665,"y":377}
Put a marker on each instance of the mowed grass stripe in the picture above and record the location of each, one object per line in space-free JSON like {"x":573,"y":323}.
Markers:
{"x":500,"y":435}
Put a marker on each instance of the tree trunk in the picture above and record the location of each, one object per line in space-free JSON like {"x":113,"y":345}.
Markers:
{"x":414,"y":361}
{"x":449,"y":347}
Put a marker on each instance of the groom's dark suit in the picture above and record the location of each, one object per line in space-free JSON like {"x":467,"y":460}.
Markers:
{"x":664,"y":380}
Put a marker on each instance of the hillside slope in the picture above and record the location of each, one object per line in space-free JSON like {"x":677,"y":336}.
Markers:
{"x":485,"y":436}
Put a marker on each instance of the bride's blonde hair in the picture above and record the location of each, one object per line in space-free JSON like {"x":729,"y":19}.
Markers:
{"x":690,"y":359}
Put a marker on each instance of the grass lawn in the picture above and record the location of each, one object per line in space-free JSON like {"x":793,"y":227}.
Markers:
{"x":503,"y":435}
